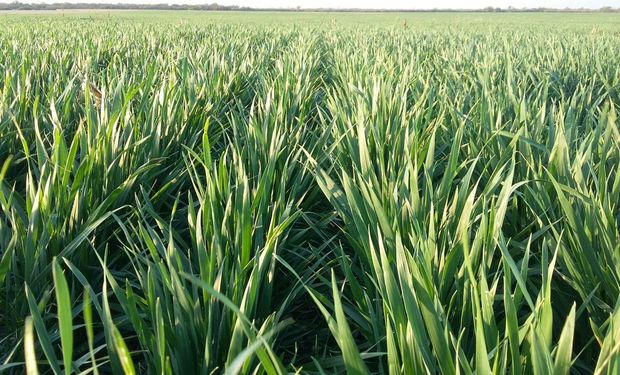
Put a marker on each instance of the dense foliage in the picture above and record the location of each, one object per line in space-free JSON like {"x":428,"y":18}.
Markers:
{"x":411,"y":196}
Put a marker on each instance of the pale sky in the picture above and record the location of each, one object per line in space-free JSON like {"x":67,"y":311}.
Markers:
{"x":372,"y":4}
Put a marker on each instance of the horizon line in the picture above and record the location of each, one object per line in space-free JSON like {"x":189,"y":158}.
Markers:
{"x":59,"y":5}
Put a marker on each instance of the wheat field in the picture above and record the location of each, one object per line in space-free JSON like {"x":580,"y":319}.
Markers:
{"x":312,"y":193}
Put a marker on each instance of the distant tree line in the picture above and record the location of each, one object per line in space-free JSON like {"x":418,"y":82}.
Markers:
{"x":541,"y":9}
{"x":68,"y":6}
{"x":217,"y":7}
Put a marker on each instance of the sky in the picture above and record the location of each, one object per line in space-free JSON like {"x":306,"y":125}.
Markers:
{"x":373,"y":4}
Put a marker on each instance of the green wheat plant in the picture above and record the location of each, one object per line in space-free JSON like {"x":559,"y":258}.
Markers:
{"x":182,"y":193}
